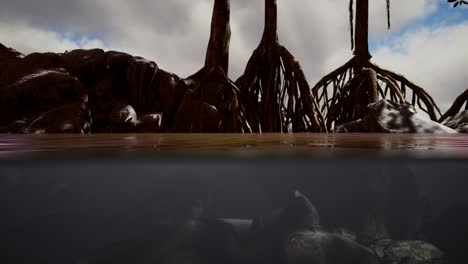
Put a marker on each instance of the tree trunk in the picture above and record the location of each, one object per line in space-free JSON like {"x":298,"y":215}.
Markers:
{"x":361,"y":37}
{"x":270,"y":33}
{"x":218,"y":47}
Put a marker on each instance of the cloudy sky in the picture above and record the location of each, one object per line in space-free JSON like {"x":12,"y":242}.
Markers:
{"x":428,"y":42}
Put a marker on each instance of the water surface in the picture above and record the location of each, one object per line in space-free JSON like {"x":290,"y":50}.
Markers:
{"x":416,"y":145}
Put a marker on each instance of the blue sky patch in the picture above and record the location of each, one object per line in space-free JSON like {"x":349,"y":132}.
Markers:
{"x":445,"y":15}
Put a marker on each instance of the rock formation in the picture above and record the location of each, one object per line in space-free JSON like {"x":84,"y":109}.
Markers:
{"x":388,"y":117}
{"x":85,"y":91}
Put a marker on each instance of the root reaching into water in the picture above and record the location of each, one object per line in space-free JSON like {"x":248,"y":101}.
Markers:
{"x":344,"y":94}
{"x":457,"y":106}
{"x":274,"y":88}
{"x":211,"y":103}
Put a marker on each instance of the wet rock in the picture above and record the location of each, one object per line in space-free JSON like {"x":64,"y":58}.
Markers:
{"x":458,"y":122}
{"x":170,"y":91}
{"x":151,"y":123}
{"x":17,"y":127}
{"x":141,"y":82}
{"x":45,"y":61}
{"x":9,"y":53}
{"x":408,"y":252}
{"x":71,"y":118}
{"x":39,"y":92}
{"x":123,"y":118}
{"x":87,"y":65}
{"x":11,"y":66}
{"x":117,"y":61}
{"x":40,"y":82}
{"x":389,"y":117}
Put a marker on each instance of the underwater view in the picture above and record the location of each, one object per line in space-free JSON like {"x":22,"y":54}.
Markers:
{"x":233,"y":132}
{"x":272,"y":198}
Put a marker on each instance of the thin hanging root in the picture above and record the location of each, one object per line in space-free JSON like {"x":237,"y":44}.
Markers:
{"x":457,"y":106}
{"x":343,"y":94}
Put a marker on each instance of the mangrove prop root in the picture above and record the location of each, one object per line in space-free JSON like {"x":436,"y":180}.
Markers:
{"x":343,"y":95}
{"x":457,"y":106}
{"x":274,"y":88}
{"x":211,"y":86}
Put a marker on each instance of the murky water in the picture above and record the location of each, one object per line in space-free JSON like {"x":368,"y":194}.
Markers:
{"x":216,"y":198}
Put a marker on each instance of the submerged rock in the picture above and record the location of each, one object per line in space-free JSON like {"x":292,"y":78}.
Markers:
{"x":389,"y":117}
{"x":408,"y":252}
{"x":293,"y":235}
{"x":326,"y":248}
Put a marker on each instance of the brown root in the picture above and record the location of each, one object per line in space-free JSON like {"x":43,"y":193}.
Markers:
{"x":343,"y":95}
{"x":419,"y":97}
{"x":274,"y":88}
{"x":457,"y":106}
{"x":276,"y":93}
{"x":211,"y":101}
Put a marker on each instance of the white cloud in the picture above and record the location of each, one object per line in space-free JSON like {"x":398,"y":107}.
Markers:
{"x":434,"y":58}
{"x":402,"y":13}
{"x":175,"y":33}
{"x":27,"y":39}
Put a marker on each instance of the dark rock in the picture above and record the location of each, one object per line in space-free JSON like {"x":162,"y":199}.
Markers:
{"x":124,"y":118}
{"x":195,"y":115}
{"x":170,"y":91}
{"x":458,"y":122}
{"x":141,"y":82}
{"x":87,"y":65}
{"x":151,"y":123}
{"x":117,"y":61}
{"x":17,"y":127}
{"x":104,"y":97}
{"x":37,"y":83}
{"x":11,"y":66}
{"x":39,"y":92}
{"x":71,"y":118}
{"x":389,"y":117}
{"x":9,"y":53}
{"x":45,"y":61}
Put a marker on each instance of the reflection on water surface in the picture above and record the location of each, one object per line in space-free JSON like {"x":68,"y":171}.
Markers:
{"x":451,"y":145}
